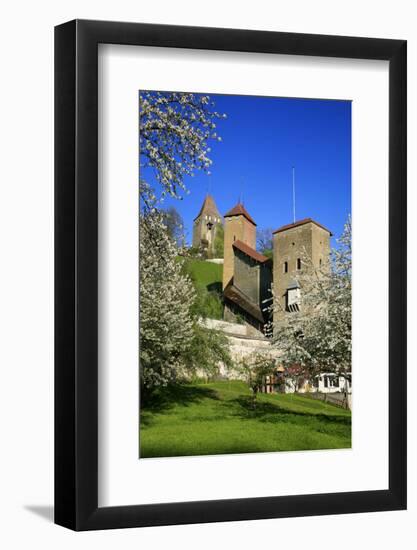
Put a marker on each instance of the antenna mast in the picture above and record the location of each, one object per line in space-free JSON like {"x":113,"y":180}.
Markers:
{"x":293,"y":193}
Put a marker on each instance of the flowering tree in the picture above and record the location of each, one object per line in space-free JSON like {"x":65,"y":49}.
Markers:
{"x":318,"y":338}
{"x":166,"y":296}
{"x":174,"y":132}
{"x":208,"y":350}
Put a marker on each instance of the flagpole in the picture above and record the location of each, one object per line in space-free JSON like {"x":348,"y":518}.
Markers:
{"x":293,"y":193}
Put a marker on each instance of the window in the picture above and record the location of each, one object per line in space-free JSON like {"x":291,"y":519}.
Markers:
{"x":320,"y":262}
{"x":234,"y":238}
{"x":285,"y":267}
{"x":298,"y":263}
{"x":293,"y":299}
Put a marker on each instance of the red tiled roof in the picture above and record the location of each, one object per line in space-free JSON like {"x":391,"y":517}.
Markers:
{"x":249,"y":251}
{"x":301,"y":222}
{"x":209,"y":207}
{"x":240,"y":210}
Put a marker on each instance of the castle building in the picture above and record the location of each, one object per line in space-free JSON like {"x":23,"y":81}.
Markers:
{"x":206,"y":225}
{"x":238,"y":226}
{"x":247,"y":274}
{"x":293,"y":243}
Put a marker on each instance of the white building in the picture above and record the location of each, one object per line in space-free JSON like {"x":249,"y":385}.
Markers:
{"x":329,"y":382}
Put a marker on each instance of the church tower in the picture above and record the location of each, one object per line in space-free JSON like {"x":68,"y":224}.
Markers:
{"x":291,"y":243}
{"x":238,"y":226}
{"x":205,"y":226}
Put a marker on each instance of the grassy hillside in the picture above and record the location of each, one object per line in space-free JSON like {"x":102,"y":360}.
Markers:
{"x":207,"y":279}
{"x":205,"y":274}
{"x":217,"y":418}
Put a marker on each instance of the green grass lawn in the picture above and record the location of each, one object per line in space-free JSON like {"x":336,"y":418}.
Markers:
{"x":217,"y":418}
{"x":204,"y":273}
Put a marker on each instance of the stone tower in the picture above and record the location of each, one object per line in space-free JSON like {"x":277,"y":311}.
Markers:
{"x":205,"y":225}
{"x":238,"y":226}
{"x":291,"y":243}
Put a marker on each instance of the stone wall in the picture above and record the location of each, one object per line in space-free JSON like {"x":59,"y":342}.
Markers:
{"x":235,"y":228}
{"x":242,"y":342}
{"x":246,"y":276}
{"x":290,"y":247}
{"x":203,"y":236}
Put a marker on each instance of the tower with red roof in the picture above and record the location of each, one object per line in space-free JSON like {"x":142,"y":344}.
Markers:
{"x":247,"y":274}
{"x":238,"y":226}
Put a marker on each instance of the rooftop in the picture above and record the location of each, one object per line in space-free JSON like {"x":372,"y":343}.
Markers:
{"x":293,"y":284}
{"x":208,"y":207}
{"x":301,"y":222}
{"x":249,"y":251}
{"x":240,"y":210}
{"x":233,"y":294}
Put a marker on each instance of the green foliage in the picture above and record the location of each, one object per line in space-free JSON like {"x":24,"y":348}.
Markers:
{"x":269,"y":253}
{"x":239,"y":319}
{"x":207,"y":281}
{"x":217,"y":418}
{"x":255,"y":367}
{"x":207,"y":304}
{"x":219,"y":242}
{"x":194,"y":252}
{"x":208,"y":348}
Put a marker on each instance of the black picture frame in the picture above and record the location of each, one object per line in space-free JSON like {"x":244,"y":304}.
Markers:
{"x":76,"y":272}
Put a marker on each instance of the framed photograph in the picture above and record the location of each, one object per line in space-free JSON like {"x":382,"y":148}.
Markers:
{"x":230,"y":254}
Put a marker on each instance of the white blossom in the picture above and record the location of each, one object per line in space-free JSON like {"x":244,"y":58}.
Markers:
{"x":319,"y":336}
{"x":174,"y":131}
{"x":166,"y":296}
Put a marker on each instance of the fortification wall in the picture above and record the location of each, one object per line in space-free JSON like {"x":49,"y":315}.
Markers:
{"x":242,"y":343}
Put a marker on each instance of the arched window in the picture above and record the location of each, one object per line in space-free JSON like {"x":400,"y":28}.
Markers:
{"x":298,"y":263}
{"x":285,"y":267}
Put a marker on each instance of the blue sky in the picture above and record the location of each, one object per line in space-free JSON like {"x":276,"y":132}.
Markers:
{"x":262,"y":138}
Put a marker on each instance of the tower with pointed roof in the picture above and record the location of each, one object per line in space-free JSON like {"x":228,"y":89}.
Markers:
{"x":205,"y":226}
{"x":292,"y":243}
{"x":238,"y":226}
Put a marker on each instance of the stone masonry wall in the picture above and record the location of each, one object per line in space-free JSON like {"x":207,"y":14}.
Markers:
{"x":291,"y":245}
{"x":241,"y":342}
{"x":235,"y":228}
